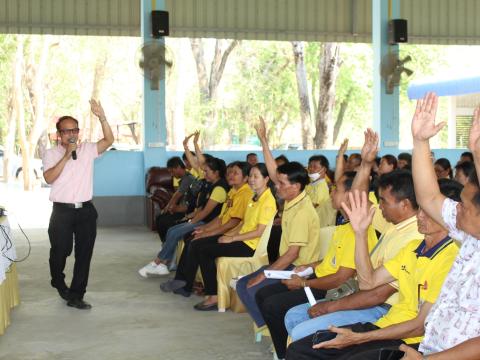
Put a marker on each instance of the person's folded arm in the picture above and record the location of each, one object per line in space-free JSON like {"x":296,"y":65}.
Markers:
{"x":245,"y":236}
{"x":346,"y":337}
{"x":224,"y":228}
{"x":331,"y":281}
{"x":203,"y":213}
{"x":362,"y":299}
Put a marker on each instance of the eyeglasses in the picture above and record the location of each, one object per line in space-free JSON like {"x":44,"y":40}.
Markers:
{"x":74,"y":131}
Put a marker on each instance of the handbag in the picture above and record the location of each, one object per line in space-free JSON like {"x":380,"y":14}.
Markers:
{"x":347,"y":288}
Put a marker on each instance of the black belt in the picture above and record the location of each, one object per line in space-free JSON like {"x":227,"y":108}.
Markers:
{"x":385,"y":306}
{"x":78,"y":205}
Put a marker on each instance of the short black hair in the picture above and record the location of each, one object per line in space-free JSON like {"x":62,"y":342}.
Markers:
{"x":251,"y":154}
{"x":450,"y":188}
{"x":467,"y":154}
{"x":242,"y":165}
{"x":321,"y":159}
{"x":405,"y":156}
{"x":400,"y":183}
{"x":466,"y":167}
{"x":473,"y":179}
{"x":216,"y":164}
{"x":295,"y":172}
{"x":391,"y":160}
{"x":444,"y":163}
{"x":175,"y":162}
{"x":63,"y":118}
{"x":282,"y":157}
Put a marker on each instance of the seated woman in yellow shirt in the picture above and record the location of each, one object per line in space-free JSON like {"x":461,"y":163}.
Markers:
{"x":241,"y":242}
{"x":233,"y":210}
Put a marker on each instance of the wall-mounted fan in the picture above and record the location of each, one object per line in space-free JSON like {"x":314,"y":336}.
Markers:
{"x":154,"y":58}
{"x":391,"y":70}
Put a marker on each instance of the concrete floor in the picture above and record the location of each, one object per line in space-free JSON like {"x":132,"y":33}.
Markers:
{"x":130,"y":319}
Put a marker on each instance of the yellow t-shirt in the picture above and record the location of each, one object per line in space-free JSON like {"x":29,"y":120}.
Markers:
{"x":197,"y":173}
{"x":258,"y":212}
{"x":341,"y":252}
{"x":176,"y":183}
{"x":236,"y":203}
{"x":318,"y":192}
{"x":393,"y":239}
{"x":300,"y":227}
{"x":219,"y":195}
{"x":420,"y":279}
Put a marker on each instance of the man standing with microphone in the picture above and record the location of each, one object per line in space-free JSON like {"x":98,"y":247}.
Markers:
{"x":69,"y":169}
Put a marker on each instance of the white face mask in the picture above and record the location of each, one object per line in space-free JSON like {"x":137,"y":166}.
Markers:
{"x":314,"y":176}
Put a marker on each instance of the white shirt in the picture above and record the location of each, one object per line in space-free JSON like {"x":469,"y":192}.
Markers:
{"x":455,"y":317}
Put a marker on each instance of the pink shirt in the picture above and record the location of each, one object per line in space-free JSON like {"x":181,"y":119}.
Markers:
{"x":75,"y":183}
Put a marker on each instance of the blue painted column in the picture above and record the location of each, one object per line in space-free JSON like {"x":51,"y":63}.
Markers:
{"x":155,"y":125}
{"x":385,"y":106}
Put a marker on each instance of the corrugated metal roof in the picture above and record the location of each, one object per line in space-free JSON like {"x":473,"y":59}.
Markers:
{"x":429,"y":21}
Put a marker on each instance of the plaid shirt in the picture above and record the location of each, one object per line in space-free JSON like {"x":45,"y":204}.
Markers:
{"x":455,"y":317}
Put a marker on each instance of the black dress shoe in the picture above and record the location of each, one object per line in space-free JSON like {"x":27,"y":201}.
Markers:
{"x":64,"y":293}
{"x":79,"y":304}
{"x":201,"y":306}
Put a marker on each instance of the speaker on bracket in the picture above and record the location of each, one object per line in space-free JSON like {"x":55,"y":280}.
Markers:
{"x":397,"y":31}
{"x":160,"y":25}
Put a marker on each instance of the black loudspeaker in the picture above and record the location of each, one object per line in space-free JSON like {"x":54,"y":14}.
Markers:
{"x":160,"y":24}
{"x":397,"y":31}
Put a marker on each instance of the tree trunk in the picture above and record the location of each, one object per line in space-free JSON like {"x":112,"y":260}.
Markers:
{"x":98,"y":78}
{"x":341,"y":115}
{"x":8,"y":150}
{"x":303,"y":97}
{"x":34,"y":79}
{"x":328,"y":70}
{"x":208,"y":86}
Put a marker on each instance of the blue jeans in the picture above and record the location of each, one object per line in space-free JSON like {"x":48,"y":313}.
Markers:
{"x":247,"y":295}
{"x":299,"y":324}
{"x":174,"y":235}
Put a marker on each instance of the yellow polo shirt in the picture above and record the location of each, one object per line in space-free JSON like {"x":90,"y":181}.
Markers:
{"x":176,"y":181}
{"x":300,"y":227}
{"x":341,"y":251}
{"x":197,"y":173}
{"x":236,"y":203}
{"x":393,"y":239}
{"x":420,"y":279}
{"x":318,"y":192}
{"x":218,"y":194}
{"x":258,"y":212}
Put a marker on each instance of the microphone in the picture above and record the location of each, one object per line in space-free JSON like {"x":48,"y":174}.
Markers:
{"x":74,"y":153}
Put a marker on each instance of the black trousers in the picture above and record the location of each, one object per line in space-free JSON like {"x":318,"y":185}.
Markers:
{"x":302,"y":349}
{"x":208,"y":251}
{"x":190,"y":261}
{"x":274,"y":243}
{"x":274,"y":301}
{"x":67,"y":224}
{"x":165,"y":222}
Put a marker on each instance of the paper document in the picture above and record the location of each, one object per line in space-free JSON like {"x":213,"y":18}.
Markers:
{"x":282,"y":274}
{"x":310,"y":297}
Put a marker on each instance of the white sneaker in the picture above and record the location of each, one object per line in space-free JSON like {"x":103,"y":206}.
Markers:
{"x":153,"y":269}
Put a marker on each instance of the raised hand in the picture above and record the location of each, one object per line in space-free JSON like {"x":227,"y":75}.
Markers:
{"x":359,"y":212}
{"x":196,"y":136}
{"x":423,"y":122}
{"x":187,"y":138}
{"x":370,"y":146}
{"x":261,"y":129}
{"x":343,"y":147}
{"x":97,"y":109}
{"x":474,"y":138}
